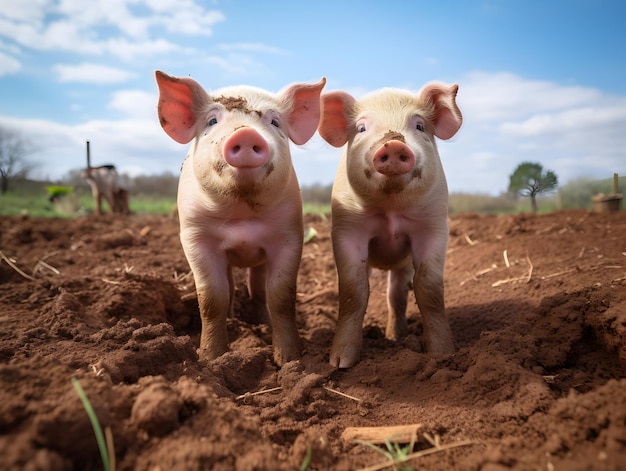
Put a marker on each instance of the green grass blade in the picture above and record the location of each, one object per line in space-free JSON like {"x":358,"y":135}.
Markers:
{"x":307,"y":459}
{"x":309,"y":234}
{"x":94,"y":423}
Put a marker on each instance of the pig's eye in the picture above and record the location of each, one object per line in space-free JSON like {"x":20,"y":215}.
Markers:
{"x":275,"y":123}
{"x":420,"y":125}
{"x":360,"y":128}
{"x":212,"y":122}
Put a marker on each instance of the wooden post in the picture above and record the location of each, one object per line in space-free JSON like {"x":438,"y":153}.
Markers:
{"x":615,"y":183}
{"x":88,"y":156}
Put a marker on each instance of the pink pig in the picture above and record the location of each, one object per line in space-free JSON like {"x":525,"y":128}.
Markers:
{"x":239,"y":201}
{"x":390,"y":208}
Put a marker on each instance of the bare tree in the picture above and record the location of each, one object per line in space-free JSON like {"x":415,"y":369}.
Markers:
{"x":14,"y":152}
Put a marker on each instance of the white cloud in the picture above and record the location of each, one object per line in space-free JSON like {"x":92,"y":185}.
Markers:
{"x":239,"y":65}
{"x":253,"y":47}
{"x":102,"y":13}
{"x":190,"y":19}
{"x":123,"y":28}
{"x":130,"y":50}
{"x":26,"y":10}
{"x":590,"y":119}
{"x":505,"y":96}
{"x":9,"y":65}
{"x":91,"y":73}
{"x":136,"y":104}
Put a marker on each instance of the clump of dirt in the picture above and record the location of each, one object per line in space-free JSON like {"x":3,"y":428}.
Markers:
{"x":236,"y":103}
{"x":537,"y":306}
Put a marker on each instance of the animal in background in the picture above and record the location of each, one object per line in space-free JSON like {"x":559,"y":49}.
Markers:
{"x":105,"y":183}
{"x":239,"y":200}
{"x":390,"y":208}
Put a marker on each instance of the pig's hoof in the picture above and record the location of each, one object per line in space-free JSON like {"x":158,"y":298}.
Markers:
{"x":396,"y":331}
{"x":445,"y":347}
{"x":281,"y":356}
{"x":208,"y":354}
{"x":345,"y":360}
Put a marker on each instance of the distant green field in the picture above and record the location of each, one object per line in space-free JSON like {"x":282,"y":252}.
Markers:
{"x":33,"y":200}
{"x":27,"y":196}
{"x":459,"y":203}
{"x":35,"y":203}
{"x":316,"y":208}
{"x":13,"y":203}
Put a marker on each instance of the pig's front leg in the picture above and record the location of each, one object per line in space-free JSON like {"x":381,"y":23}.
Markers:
{"x":429,"y":293}
{"x":398,"y":286}
{"x":281,"y":285}
{"x":214,"y":287}
{"x":214,"y":308}
{"x":352,"y":272}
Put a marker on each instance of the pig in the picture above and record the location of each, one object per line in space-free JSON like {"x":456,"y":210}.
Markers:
{"x":239,"y":202}
{"x":389,"y":208}
{"x":105,"y":183}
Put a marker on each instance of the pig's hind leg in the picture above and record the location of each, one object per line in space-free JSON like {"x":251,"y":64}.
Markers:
{"x":257,"y":278}
{"x":97,"y":196}
{"x":398,"y":286}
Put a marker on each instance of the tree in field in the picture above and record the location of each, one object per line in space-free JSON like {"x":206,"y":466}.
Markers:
{"x":530,"y":179}
{"x":14,"y":150}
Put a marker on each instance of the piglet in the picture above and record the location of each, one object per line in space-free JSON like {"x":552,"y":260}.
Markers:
{"x":239,"y":201}
{"x":390,"y":208}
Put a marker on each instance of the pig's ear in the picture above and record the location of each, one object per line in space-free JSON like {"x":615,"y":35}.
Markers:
{"x":303,"y":113}
{"x":334,"y":126}
{"x":446,"y":116}
{"x":179,"y":100}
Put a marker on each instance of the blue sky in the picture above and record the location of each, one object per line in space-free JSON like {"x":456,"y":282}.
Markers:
{"x":541,"y":81}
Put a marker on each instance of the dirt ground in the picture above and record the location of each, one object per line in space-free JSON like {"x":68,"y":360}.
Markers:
{"x":537,"y":305}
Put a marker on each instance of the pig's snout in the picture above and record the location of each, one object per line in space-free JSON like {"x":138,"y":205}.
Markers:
{"x":394,"y":158}
{"x":246,"y":148}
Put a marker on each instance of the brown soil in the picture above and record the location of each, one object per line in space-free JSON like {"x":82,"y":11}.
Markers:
{"x":538,"y":381}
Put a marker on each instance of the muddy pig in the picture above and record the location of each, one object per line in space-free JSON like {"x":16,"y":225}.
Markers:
{"x":390,"y":208}
{"x":239,"y":201}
